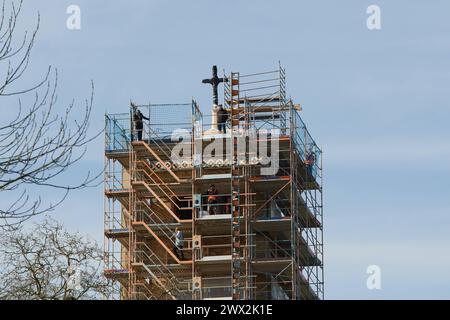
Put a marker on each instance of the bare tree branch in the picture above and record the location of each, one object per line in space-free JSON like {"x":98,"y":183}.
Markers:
{"x":40,"y":143}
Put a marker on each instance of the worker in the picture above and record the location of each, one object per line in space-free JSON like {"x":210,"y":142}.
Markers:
{"x":138,"y":121}
{"x":310,"y":161}
{"x":222,"y":118}
{"x":212,"y":199}
{"x":178,"y":247}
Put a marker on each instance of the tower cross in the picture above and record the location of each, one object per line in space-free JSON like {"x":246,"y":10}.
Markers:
{"x":214,"y":81}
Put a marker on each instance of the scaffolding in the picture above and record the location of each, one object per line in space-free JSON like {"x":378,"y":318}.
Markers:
{"x":258,"y":237}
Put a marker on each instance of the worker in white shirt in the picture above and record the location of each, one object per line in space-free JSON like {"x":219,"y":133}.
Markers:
{"x":178,"y":247}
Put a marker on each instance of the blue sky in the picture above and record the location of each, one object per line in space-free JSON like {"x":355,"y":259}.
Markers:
{"x":377,"y":102}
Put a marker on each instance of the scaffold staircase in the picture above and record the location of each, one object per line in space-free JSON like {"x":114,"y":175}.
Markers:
{"x":148,"y":268}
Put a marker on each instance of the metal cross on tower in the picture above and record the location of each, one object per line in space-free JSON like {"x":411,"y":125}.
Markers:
{"x":214,"y":81}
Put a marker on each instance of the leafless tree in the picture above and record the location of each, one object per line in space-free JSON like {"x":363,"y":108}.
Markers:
{"x":40,"y":141}
{"x":47,"y":262}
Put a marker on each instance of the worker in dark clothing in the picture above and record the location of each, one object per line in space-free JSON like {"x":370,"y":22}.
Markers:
{"x":212,"y":199}
{"x":138,"y":121}
{"x":310,"y":161}
{"x":222,"y":118}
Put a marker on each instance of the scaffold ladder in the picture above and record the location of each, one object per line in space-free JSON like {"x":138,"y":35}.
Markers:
{"x":235,"y":188}
{"x":282,"y":102}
